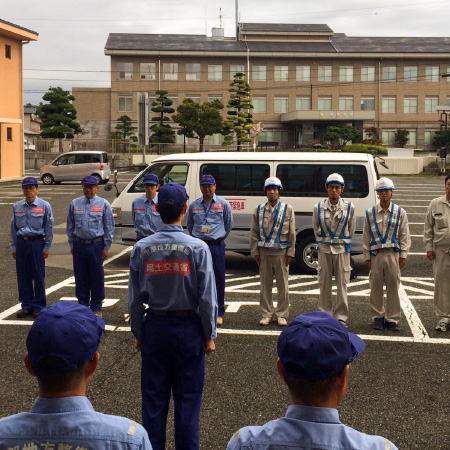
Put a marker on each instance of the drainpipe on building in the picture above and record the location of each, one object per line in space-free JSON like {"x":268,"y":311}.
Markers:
{"x":159,"y":73}
{"x":21,"y":108}
{"x":248,"y":77}
{"x":379,"y":97}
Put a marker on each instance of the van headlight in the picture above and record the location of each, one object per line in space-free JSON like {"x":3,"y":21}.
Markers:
{"x":117,"y":214}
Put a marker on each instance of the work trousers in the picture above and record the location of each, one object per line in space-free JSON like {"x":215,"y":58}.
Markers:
{"x":218,"y":258}
{"x":30,"y":268}
{"x":385,"y":270}
{"x":173,"y":360}
{"x":270,"y":266}
{"x":441,"y":271}
{"x":89,"y":275}
{"x":338,"y":265}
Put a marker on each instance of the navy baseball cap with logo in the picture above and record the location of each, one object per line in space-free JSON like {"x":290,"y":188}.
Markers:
{"x":207,"y":179}
{"x":315,"y":346}
{"x":30,"y":181}
{"x":172,"y":194}
{"x":151,"y":179}
{"x":66,"y":331}
{"x":90,"y":180}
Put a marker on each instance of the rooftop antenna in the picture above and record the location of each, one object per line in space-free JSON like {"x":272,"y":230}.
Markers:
{"x":220,"y":17}
{"x":236,"y":17}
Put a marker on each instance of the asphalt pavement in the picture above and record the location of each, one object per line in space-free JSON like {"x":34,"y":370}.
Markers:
{"x":397,"y":387}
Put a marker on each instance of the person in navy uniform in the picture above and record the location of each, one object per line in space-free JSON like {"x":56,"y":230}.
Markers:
{"x":90,"y":230}
{"x":31,"y":237}
{"x":210,"y":219}
{"x":62,"y":354}
{"x":146,"y":218}
{"x":171,"y":272}
{"x":315,"y":352}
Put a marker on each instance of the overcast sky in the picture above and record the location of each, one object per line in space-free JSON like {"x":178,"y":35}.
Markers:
{"x":72,"y":34}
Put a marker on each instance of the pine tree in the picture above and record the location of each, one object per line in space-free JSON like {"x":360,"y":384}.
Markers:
{"x":162,"y":131}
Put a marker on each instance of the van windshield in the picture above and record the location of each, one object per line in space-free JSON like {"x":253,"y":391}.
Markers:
{"x":167,"y":173}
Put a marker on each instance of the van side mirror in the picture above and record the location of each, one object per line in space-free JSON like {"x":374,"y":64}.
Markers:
{"x":108,"y":187}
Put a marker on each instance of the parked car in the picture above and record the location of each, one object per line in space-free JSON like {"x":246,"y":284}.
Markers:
{"x":74,"y":166}
{"x":318,"y":146}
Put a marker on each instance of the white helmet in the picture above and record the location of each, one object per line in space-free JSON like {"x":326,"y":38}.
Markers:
{"x":334,"y":178}
{"x":273,"y":181}
{"x":384,"y":183}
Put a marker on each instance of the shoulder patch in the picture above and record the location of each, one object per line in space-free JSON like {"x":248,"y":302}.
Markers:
{"x":236,"y":436}
{"x":132,"y":428}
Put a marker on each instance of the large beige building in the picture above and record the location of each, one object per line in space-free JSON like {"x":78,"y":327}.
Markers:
{"x":304,"y":77}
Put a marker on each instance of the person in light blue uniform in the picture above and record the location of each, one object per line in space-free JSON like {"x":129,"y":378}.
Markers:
{"x":31,"y":237}
{"x":314,"y":355}
{"x":90,"y":231}
{"x":210,"y":219}
{"x":62,"y":354}
{"x":171,"y":273}
{"x":146,"y":218}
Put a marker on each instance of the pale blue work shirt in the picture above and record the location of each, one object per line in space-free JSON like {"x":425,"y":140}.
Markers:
{"x":171,"y":271}
{"x":90,"y":219}
{"x":34,"y":219}
{"x":210,"y":221}
{"x":146,"y":219}
{"x":306,"y":427}
{"x":70,"y":423}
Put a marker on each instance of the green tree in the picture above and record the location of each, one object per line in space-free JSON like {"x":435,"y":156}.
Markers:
{"x":441,"y":138}
{"x":339,"y":136}
{"x":239,"y":120}
{"x":58,"y":115}
{"x":162,"y":131}
{"x":401,"y":137}
{"x":125,"y":131}
{"x":198,"y":121}
{"x":372,"y":136}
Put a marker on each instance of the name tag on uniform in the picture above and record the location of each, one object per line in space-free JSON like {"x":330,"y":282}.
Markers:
{"x":206,"y":229}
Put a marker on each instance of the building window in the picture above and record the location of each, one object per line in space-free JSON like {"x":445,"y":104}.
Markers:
{"x":259,"y":105}
{"x":447,"y":101}
{"x":181,"y":139}
{"x":324,"y":73}
{"x":194,"y":98}
{"x":7,"y":51}
{"x":211,"y":98}
{"x":368,"y":73}
{"x":429,"y":136}
{"x":193,"y":72}
{"x":430,"y":104}
{"x":124,"y":71}
{"x":388,"y":137}
{"x":259,"y":73}
{"x":148,"y":71}
{"x":234,"y":70}
{"x":281,"y":73}
{"x":367,"y":103}
{"x":410,"y":73}
{"x":281,"y":105}
{"x":448,"y":71}
{"x":215,"y":139}
{"x":346,"y":73}
{"x":125,"y":103}
{"x":302,"y":103}
{"x":388,"y":105}
{"x":174,"y":104}
{"x":170,"y":71}
{"x":410,"y":105}
{"x":324,"y":104}
{"x":303,"y":73}
{"x":215,"y":72}
{"x":412,"y":138}
{"x":389,"y":73}
{"x":280,"y":136}
{"x":432,"y":74}
{"x":9,"y":134}
{"x":345,"y":103}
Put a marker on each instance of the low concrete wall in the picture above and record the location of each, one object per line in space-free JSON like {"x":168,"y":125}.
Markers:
{"x":406,"y":166}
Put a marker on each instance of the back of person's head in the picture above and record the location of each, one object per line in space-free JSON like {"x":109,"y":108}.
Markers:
{"x":447,"y":178}
{"x":62,"y":340}
{"x":171,"y":199}
{"x":314,"y":350}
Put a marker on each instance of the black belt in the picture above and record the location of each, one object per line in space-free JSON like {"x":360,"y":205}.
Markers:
{"x":30,"y":238}
{"x":164,"y":313}
{"x":214,"y":242}
{"x":89,"y":241}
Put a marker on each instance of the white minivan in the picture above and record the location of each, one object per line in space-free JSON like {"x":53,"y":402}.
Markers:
{"x":240,"y":179}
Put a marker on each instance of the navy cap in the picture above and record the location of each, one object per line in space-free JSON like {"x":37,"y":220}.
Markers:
{"x":30,"y":181}
{"x":90,"y":180}
{"x":151,"y":179}
{"x":315,"y":346}
{"x":65,"y":330}
{"x":207,"y":179}
{"x":172,"y":194}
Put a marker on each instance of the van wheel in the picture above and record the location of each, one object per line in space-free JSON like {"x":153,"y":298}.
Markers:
{"x":47,"y":178}
{"x":306,"y":254}
{"x":99,"y":178}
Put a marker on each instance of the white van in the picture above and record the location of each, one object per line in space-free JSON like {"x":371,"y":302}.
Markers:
{"x":240,"y":179}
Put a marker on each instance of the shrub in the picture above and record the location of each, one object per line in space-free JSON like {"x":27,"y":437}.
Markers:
{"x":365,"y":148}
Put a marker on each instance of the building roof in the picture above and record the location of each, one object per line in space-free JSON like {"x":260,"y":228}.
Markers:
{"x":286,"y":27}
{"x":19,"y":27}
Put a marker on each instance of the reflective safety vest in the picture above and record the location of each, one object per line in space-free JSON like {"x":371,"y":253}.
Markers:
{"x":272,"y":241}
{"x":336,"y":237}
{"x":389,"y":240}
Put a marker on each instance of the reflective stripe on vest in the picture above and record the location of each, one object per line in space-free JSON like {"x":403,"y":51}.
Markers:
{"x":389,"y":240}
{"x":327,"y":236}
{"x":273,"y":240}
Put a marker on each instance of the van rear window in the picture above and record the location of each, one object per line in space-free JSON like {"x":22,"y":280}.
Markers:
{"x":238,"y":179}
{"x":167,"y":173}
{"x":308,"y":180}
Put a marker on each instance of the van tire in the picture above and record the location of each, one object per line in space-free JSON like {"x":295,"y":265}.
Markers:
{"x":99,"y":178}
{"x":47,"y":178}
{"x":306,"y":254}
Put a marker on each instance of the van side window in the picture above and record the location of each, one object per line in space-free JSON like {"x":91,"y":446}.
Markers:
{"x":238,"y":179}
{"x":83,"y":158}
{"x":308,"y":180}
{"x":167,"y":173}
{"x":66,"y":160}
